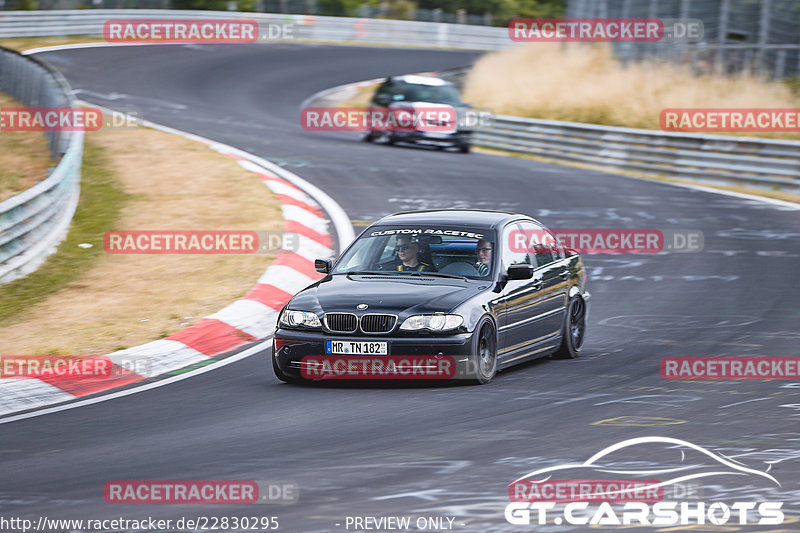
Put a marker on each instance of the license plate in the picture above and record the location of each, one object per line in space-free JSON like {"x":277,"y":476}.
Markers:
{"x":357,"y":347}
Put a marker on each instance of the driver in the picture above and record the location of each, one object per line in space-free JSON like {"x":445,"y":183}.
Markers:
{"x":484,"y":251}
{"x":407,"y":259}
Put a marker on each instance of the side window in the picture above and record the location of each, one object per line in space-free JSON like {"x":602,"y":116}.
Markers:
{"x":512,"y":254}
{"x":542,"y":244}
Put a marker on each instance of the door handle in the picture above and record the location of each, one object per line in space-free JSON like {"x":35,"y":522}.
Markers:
{"x":537,"y":285}
{"x":564,"y":274}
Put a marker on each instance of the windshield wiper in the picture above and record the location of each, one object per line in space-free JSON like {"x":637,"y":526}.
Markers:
{"x":437,"y":274}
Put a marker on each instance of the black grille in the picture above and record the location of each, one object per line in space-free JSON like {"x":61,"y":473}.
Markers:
{"x":341,"y":322}
{"x":377,"y":323}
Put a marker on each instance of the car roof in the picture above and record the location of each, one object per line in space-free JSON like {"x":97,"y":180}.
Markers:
{"x":452,"y":217}
{"x":416,"y":79}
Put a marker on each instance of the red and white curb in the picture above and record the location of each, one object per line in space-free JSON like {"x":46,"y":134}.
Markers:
{"x":248,"y":319}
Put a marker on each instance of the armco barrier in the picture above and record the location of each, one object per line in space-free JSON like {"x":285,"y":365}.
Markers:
{"x":33,"y":222}
{"x":305,"y":27}
{"x":714,"y":159}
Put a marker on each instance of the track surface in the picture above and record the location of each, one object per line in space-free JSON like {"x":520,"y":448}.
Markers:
{"x":418,"y":450}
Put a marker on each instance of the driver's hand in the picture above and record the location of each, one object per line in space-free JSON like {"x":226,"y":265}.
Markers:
{"x":482,"y":269}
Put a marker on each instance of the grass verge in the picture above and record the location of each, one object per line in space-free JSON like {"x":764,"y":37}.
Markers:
{"x":99,"y":207}
{"x":25,"y":43}
{"x":85,"y":301}
{"x":24,"y":157}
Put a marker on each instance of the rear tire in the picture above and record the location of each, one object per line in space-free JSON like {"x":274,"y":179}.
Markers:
{"x":573,"y":331}
{"x":464,"y":148}
{"x":484,"y":349}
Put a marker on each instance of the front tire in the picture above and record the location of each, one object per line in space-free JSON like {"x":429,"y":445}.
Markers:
{"x":484,"y":349}
{"x":573,"y":330}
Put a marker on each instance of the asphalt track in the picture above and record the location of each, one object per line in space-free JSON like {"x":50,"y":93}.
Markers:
{"x":419,"y":450}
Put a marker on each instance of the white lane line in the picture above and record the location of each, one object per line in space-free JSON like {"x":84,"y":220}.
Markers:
{"x":167,"y":381}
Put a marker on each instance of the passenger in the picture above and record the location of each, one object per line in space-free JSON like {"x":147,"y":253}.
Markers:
{"x":484,"y":251}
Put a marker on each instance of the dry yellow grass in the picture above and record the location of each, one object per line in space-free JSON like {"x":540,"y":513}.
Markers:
{"x":125,"y":300}
{"x":585,"y":84}
{"x":25,"y":43}
{"x":24,"y":157}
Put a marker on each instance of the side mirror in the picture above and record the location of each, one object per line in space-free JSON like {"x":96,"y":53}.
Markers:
{"x":322,"y":265}
{"x":520,"y":272}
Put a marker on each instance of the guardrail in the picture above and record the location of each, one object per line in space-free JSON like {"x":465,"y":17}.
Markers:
{"x":33,"y":222}
{"x":713,"y":159}
{"x":305,"y":27}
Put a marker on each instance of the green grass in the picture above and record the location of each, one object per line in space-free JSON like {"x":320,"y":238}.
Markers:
{"x":101,"y":201}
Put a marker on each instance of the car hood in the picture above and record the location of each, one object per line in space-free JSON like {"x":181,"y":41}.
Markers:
{"x":386,"y":293}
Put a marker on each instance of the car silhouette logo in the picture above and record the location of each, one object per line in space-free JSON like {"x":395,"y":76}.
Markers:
{"x":718,"y":464}
{"x":361,"y":307}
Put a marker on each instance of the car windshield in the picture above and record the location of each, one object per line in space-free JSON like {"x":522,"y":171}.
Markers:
{"x":435,"y":94}
{"x":435,"y":250}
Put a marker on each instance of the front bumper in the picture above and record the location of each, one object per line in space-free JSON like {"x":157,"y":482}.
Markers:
{"x":434,"y":138}
{"x":294,"y":351}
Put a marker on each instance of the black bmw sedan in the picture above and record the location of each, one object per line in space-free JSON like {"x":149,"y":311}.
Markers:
{"x":436,"y":295}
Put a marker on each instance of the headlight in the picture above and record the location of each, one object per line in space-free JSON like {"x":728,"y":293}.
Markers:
{"x":293,"y":319}
{"x":432,"y":322}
